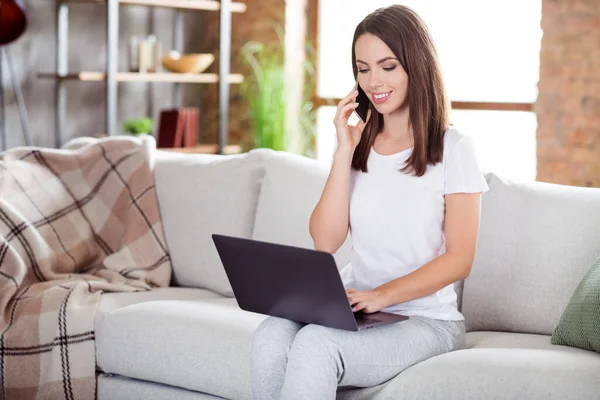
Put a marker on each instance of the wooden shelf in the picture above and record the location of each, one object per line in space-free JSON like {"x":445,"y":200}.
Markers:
{"x":205,"y":149}
{"x":209,"y":5}
{"x":90,"y":76}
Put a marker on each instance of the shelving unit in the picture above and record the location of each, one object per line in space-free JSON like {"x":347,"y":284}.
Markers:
{"x":91,"y":76}
{"x":112,"y":76}
{"x":207,"y":5}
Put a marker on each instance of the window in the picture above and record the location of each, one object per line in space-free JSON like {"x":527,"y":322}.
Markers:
{"x":489,"y":52}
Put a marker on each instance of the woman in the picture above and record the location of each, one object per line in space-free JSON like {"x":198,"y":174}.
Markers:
{"x":409,"y":187}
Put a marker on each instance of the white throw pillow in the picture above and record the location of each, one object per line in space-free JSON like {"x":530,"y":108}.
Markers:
{"x":200,"y":195}
{"x":536,"y":242}
{"x":291,"y":189}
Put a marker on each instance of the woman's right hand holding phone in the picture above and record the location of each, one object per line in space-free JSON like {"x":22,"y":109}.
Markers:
{"x":348,"y":136}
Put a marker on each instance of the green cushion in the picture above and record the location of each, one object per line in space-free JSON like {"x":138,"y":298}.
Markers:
{"x":579,"y":325}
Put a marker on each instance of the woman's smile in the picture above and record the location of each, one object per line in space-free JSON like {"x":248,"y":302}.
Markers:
{"x":380,"y":97}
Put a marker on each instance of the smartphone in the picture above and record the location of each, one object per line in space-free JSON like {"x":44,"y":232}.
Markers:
{"x":363,"y":103}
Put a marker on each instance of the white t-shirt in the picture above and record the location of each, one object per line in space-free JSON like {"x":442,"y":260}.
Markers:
{"x":397,"y":221}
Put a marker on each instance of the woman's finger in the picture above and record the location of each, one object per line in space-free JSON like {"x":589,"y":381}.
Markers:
{"x":359,"y":306}
{"x":345,"y":112}
{"x":345,"y":101}
{"x":361,"y":125}
{"x":348,"y":98}
{"x":354,"y":298}
{"x":357,"y":297}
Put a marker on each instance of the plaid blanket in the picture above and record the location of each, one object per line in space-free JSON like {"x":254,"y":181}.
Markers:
{"x":74,"y":222}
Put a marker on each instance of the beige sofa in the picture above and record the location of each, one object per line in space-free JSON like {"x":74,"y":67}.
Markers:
{"x":191,"y":340}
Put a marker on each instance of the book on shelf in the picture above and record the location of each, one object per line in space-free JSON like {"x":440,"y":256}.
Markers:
{"x":178,"y":128}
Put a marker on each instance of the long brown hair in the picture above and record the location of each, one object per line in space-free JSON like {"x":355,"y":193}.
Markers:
{"x":405,"y":33}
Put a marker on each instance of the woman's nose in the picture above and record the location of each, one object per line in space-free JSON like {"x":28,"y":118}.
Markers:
{"x":375,"y":82}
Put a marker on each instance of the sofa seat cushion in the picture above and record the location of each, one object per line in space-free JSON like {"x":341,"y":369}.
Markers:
{"x":115,"y":387}
{"x":201,"y":345}
{"x":113,"y":301}
{"x":497,"y":365}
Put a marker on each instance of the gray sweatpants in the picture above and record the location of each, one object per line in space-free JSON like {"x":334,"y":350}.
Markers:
{"x":290,"y":360}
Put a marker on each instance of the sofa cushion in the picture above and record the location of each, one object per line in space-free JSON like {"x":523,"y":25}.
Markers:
{"x":496,"y":365}
{"x":113,"y":301}
{"x":114,"y":387}
{"x":204,"y":345}
{"x":291,"y":189}
{"x":579,"y":325}
{"x":201,"y":345}
{"x":200,"y":195}
{"x":537,"y":240}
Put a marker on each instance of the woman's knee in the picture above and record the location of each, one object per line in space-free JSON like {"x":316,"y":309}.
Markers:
{"x":274,"y":331}
{"x":315,"y":339}
{"x":316,"y":349}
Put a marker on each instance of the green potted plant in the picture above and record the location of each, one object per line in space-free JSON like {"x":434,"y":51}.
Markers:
{"x":265,"y":93}
{"x":138,"y":126}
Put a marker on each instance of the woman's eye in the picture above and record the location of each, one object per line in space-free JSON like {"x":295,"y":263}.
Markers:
{"x":389,"y":68}
{"x":362,"y":71}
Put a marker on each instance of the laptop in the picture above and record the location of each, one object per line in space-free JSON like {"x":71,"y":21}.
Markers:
{"x":290,"y":282}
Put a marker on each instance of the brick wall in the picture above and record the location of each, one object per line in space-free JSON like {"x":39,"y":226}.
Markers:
{"x":568,"y":105}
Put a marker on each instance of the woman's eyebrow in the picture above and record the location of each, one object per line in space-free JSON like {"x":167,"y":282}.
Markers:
{"x":380,"y":61}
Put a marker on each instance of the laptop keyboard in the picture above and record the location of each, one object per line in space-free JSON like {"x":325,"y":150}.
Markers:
{"x":364,"y":319}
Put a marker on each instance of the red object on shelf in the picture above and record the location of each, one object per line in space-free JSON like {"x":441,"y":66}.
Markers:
{"x":13,"y":21}
{"x":178,"y":128}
